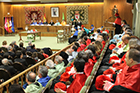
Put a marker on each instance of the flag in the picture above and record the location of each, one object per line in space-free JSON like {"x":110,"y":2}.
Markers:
{"x":6,"y":24}
{"x":44,"y":18}
{"x":12,"y":28}
{"x":63,"y":18}
{"x":9,"y":25}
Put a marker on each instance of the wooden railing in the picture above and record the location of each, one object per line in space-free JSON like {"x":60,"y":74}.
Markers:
{"x":21,"y":76}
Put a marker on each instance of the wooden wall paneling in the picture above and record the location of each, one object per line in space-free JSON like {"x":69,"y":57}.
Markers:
{"x":124,"y":10}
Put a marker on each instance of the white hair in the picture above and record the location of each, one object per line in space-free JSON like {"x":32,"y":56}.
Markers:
{"x":5,"y":61}
{"x":50,"y":63}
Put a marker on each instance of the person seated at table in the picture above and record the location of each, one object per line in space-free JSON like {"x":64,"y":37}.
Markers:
{"x":57,"y":23}
{"x":40,"y":23}
{"x":51,"y":23}
{"x":45,"y":22}
{"x":34,"y":22}
{"x":63,"y":23}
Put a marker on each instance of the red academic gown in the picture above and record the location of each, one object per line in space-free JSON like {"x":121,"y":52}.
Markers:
{"x":77,"y":83}
{"x":103,"y":43}
{"x":88,"y":42}
{"x":129,"y":78}
{"x":82,"y":47}
{"x":88,"y":68}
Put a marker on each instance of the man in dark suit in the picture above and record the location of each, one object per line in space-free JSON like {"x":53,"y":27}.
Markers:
{"x":15,"y":45}
{"x":74,"y":23}
{"x":32,"y":49}
{"x":10,"y":69}
{"x":10,"y":51}
{"x":52,"y":23}
{"x":18,"y":58}
{"x":45,"y":22}
{"x":79,"y":23}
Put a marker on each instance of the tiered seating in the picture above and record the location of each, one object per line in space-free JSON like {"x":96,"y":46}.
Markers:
{"x":21,"y":76}
{"x":90,"y":78}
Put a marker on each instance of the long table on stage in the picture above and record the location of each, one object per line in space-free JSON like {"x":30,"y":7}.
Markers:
{"x":49,"y":30}
{"x":27,"y":33}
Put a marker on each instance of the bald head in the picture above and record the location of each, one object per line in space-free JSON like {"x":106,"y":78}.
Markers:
{"x":31,"y":77}
{"x":126,"y":39}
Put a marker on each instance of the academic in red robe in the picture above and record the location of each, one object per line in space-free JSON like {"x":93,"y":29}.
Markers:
{"x":77,"y":83}
{"x":88,"y":42}
{"x":129,"y":78}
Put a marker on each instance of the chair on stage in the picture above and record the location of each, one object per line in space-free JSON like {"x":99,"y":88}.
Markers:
{"x":60,"y":36}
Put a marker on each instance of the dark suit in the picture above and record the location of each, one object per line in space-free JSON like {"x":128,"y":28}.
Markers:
{"x":75,"y":24}
{"x":32,"y":50}
{"x":12,"y":54}
{"x":23,"y":61}
{"x":16,"y":47}
{"x":45,"y":23}
{"x":2,"y":54}
{"x":79,"y":24}
{"x":10,"y":69}
{"x":52,"y":23}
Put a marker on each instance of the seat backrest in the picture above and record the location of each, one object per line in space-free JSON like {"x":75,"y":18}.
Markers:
{"x":4,"y":49}
{"x":30,"y":61}
{"x":18,"y":66}
{"x":4,"y":74}
{"x":40,"y":56}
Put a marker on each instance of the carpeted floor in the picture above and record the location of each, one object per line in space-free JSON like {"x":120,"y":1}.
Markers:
{"x":44,"y":42}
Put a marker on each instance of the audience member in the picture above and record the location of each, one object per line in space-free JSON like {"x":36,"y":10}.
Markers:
{"x":29,"y":45}
{"x":4,"y":44}
{"x":79,"y":78}
{"x":15,"y":88}
{"x":21,"y":45}
{"x":52,"y":72}
{"x":59,"y":63}
{"x":10,"y":51}
{"x":43,"y":75}
{"x":32,"y":49}
{"x":129,"y":73}
{"x":15,"y":45}
{"x":19,"y":58}
{"x":33,"y":86}
{"x":10,"y":69}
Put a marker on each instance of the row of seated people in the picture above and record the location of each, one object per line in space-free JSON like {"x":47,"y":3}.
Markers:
{"x":81,"y":67}
{"x":101,"y":83}
{"x":26,"y":57}
{"x":120,"y":68}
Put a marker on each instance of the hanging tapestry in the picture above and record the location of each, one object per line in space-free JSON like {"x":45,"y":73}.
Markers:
{"x":34,"y":13}
{"x":77,"y":12}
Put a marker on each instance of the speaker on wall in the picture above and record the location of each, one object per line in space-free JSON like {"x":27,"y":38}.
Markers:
{"x":129,"y":1}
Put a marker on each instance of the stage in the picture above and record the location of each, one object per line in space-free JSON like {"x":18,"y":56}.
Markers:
{"x":47,"y":30}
